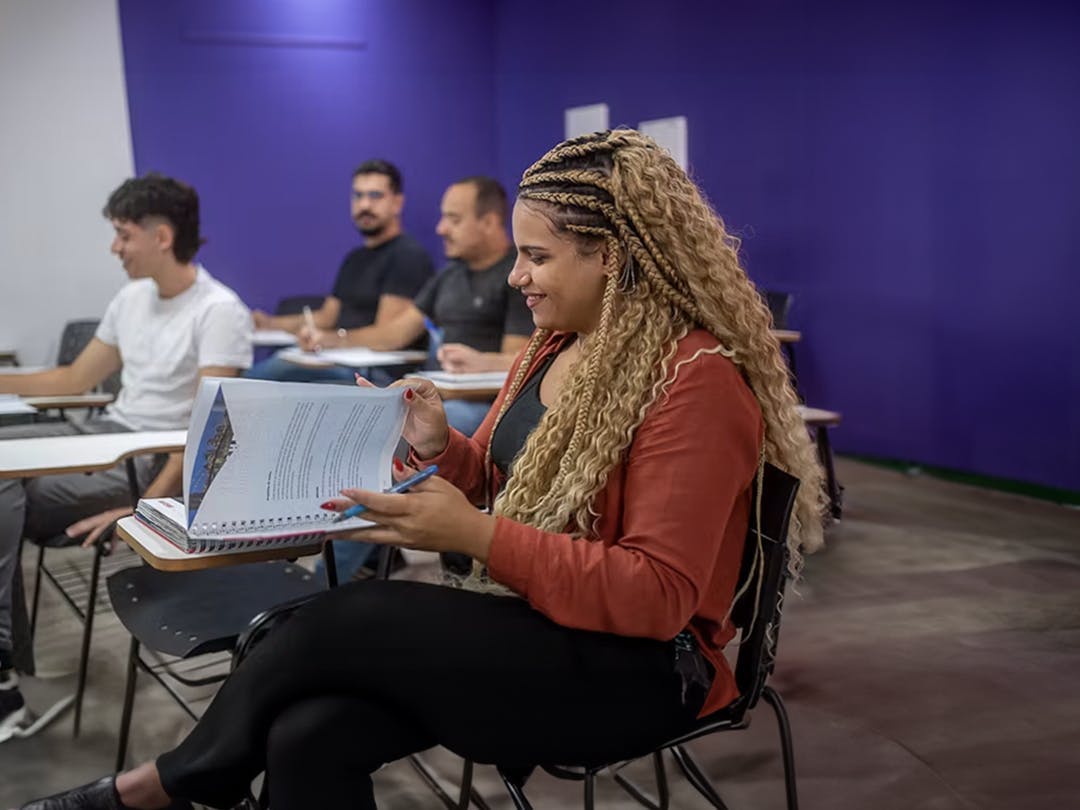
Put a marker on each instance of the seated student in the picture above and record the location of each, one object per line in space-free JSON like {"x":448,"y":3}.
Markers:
{"x":376,"y":281}
{"x":173,"y":324}
{"x":482,"y":324}
{"x":620,"y":457}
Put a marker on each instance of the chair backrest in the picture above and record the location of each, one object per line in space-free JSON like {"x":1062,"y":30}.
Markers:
{"x":74,"y":338}
{"x":779,"y":304}
{"x":757,"y":610}
{"x":294,"y":304}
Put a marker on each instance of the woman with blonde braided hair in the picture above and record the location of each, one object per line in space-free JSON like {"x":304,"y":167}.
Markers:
{"x":618,"y":462}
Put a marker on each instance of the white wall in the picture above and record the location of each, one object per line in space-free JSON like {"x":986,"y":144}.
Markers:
{"x":65,"y":144}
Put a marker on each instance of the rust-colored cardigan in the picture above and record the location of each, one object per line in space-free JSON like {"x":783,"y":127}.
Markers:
{"x":674,"y":516}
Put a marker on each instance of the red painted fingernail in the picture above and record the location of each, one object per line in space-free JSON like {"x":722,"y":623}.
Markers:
{"x":398,"y":465}
{"x":330,"y":505}
{"x":409,"y":395}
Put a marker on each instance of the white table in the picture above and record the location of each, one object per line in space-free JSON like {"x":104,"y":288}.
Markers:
{"x":273,"y":337}
{"x":58,"y":455}
{"x":357,"y":357}
{"x":164,"y":556}
{"x":478,"y":386}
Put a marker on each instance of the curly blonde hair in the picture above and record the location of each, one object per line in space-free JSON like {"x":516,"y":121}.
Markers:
{"x":672,"y":267}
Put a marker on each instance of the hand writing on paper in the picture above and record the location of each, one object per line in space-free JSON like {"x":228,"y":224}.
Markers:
{"x":433,"y":516}
{"x":95,"y":525}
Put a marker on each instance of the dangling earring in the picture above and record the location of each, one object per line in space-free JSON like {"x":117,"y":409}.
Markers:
{"x":628,"y":274}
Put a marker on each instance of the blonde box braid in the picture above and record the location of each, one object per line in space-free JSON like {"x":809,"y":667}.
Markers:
{"x":672,"y":267}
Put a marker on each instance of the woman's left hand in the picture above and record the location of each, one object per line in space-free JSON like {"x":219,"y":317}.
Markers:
{"x":433,"y":516}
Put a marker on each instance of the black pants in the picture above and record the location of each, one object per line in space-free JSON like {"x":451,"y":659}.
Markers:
{"x":374,"y":671}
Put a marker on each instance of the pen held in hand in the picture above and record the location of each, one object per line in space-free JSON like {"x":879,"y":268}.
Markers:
{"x":401,"y":486}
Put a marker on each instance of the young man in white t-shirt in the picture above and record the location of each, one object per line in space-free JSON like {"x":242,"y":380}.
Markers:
{"x":172,"y":325}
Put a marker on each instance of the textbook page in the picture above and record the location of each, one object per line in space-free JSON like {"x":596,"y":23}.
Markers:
{"x":269,"y":453}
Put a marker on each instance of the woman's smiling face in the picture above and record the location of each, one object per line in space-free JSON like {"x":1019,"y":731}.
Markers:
{"x":563,"y":287}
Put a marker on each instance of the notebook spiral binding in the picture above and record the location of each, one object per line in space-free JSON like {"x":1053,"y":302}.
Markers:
{"x":258,"y":525}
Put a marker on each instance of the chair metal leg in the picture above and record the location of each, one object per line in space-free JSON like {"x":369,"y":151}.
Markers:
{"x":590,"y":790}
{"x":129,"y":703}
{"x":825,"y":455}
{"x":637,"y":794}
{"x":88,"y":629}
{"x":772,"y":697}
{"x":696,"y":777}
{"x":37,"y":591}
{"x":517,"y":795}
{"x":467,"y":793}
{"x":330,"y":563}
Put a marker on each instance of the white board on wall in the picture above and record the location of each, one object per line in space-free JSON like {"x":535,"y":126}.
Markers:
{"x":670,"y":133}
{"x":583,"y":120}
{"x":65,"y":144}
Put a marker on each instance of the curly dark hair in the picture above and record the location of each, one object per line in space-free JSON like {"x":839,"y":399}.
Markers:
{"x":155,"y":195}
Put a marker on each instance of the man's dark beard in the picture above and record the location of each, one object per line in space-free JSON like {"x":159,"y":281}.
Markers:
{"x":369,"y":231}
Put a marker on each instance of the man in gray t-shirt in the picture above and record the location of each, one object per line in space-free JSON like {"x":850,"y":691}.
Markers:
{"x":479,"y":320}
{"x":468,"y":307}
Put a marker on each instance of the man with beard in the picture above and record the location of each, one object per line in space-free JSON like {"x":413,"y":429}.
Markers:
{"x":376,"y":282}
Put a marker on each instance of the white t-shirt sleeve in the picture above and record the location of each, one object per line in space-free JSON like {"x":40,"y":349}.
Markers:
{"x":225,"y":335}
{"x":107,"y":329}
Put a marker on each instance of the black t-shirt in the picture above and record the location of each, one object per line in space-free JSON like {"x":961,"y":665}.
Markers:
{"x":476,"y":307}
{"x":398,"y":267}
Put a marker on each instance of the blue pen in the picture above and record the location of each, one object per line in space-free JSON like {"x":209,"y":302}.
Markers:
{"x":401,"y":486}
{"x":435,"y":335}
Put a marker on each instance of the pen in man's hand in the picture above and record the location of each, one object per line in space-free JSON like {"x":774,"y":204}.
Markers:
{"x":309,"y":321}
{"x":400,"y":486}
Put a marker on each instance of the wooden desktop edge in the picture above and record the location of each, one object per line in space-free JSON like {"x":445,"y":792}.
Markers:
{"x":199,"y":561}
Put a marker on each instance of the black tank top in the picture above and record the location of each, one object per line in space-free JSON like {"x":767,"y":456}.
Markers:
{"x":521,"y":417}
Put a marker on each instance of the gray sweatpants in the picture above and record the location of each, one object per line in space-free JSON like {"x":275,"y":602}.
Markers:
{"x":43,"y":507}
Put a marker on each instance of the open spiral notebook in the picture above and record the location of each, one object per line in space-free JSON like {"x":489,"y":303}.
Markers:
{"x":261,"y":456}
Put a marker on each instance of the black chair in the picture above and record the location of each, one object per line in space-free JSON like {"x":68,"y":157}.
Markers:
{"x":294,"y":304}
{"x":73,"y":339}
{"x":779,"y":304}
{"x":757,"y":615}
{"x":185,"y":614}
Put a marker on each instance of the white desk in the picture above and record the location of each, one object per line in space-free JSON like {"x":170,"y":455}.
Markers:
{"x":273,"y":337}
{"x":57,"y":455}
{"x":475,"y":387}
{"x":787,"y":335}
{"x":70,"y":401}
{"x":164,"y":556}
{"x":357,"y":357}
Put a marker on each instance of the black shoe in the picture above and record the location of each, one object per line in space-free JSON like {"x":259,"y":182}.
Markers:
{"x":99,"y":795}
{"x":13,"y":712}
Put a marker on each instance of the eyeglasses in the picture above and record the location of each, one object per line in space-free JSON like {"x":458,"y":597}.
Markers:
{"x":374,"y":196}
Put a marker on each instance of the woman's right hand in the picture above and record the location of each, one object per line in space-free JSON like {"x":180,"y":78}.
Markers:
{"x":426,"y":429}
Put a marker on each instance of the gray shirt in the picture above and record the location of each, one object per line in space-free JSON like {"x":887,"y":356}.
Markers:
{"x":476,"y":307}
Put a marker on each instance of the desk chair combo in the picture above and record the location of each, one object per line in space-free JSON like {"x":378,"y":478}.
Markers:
{"x":756,"y":614}
{"x":27,"y":458}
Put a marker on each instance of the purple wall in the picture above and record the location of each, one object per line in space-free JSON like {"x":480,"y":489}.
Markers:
{"x":912,"y":175}
{"x":266,"y":106}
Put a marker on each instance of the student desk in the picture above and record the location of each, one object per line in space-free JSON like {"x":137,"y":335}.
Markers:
{"x":159,"y":553}
{"x":476,"y":387}
{"x":357,"y":357}
{"x":273,"y":338}
{"x":57,"y":455}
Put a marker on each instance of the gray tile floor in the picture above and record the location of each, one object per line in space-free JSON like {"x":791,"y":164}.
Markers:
{"x":930,"y":662}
